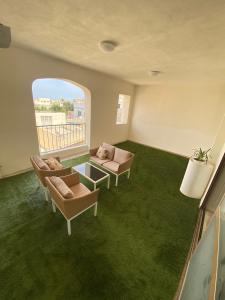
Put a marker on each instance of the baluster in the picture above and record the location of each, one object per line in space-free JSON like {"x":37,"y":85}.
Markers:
{"x":58,"y":137}
{"x":74,"y":134}
{"x":84,"y":132}
{"x":51,"y":137}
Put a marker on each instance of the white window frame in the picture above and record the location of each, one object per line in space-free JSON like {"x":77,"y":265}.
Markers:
{"x":122,"y":112}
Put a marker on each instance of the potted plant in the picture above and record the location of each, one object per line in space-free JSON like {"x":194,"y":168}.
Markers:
{"x":197,"y":175}
{"x":201,"y":155}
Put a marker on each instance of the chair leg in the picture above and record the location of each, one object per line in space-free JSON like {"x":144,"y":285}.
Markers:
{"x":96,"y":209}
{"x":53,"y":206}
{"x":117,"y":177}
{"x":46,"y":194}
{"x":128,"y":174}
{"x":69,"y":227}
{"x":39,"y":182}
{"x":108,"y":183}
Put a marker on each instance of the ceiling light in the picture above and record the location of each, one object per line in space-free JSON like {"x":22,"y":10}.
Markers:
{"x":107,"y":46}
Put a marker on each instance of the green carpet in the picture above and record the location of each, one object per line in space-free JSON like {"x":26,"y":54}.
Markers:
{"x":134,"y":249}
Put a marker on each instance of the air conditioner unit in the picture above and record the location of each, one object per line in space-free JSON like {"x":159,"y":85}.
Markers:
{"x":5,"y":36}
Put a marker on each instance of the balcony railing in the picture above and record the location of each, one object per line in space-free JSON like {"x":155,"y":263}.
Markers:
{"x":56,"y":137}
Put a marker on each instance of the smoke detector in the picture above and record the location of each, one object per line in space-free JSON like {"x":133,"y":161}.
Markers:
{"x":5,"y":36}
{"x":107,"y":46}
{"x":154,"y":72}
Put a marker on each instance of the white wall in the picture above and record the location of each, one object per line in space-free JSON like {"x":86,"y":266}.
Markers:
{"x":18,"y":136}
{"x":217,"y":154}
{"x":177,"y":117}
{"x":219,"y":143}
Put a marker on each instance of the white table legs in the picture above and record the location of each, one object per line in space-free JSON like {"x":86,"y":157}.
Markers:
{"x":108,"y":182}
{"x":69,"y":227}
{"x":53,"y":206}
{"x":46,"y":194}
{"x":96,"y":209}
{"x":117,"y":177}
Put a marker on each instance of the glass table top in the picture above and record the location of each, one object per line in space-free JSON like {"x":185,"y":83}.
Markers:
{"x":90,"y":171}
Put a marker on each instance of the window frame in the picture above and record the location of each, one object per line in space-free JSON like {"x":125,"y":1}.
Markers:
{"x":124,"y":110}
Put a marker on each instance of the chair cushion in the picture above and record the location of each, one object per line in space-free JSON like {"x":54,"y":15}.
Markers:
{"x":98,"y":160}
{"x":110,"y":149}
{"x":121,"y":156}
{"x":62,"y":188}
{"x":112,"y":165}
{"x":53,"y":163}
{"x":79,"y":190}
{"x":40,"y":163}
{"x":102,"y":153}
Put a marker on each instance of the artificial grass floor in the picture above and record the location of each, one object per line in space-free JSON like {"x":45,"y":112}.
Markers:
{"x":134,"y":249}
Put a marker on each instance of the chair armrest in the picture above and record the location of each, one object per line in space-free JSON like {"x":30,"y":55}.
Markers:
{"x":56,"y":157}
{"x":93,"y":151}
{"x":93,"y":195}
{"x":71,"y":179}
{"x":62,"y":172}
{"x":126,"y":165}
{"x":76,"y":205}
{"x":49,"y":173}
{"x":55,"y":194}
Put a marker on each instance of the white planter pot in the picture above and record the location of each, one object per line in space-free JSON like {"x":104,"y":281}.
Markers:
{"x":196,"y":178}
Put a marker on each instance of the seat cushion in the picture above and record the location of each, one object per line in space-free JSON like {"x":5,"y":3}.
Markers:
{"x":54,"y":164}
{"x":61,"y":187}
{"x":98,"y":160}
{"x":110,"y":149}
{"x":79,"y":190}
{"x":40,"y":163}
{"x":112,"y":165}
{"x":121,"y":156}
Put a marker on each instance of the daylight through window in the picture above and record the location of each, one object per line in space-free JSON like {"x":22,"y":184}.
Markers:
{"x":60,"y":114}
{"x":123,"y":109}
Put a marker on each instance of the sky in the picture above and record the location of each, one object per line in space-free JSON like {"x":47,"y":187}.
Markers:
{"x":56,"y":89}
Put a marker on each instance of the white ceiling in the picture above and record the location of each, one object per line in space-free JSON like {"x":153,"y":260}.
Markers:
{"x":183,"y":39}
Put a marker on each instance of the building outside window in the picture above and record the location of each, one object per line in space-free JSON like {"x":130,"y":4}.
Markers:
{"x":79,"y":110}
{"x":60,"y":114}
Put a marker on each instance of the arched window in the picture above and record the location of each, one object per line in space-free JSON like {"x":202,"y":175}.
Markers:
{"x":61,"y":114}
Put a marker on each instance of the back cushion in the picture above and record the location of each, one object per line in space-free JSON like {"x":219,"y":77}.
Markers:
{"x":110,"y":149}
{"x":102,"y":153}
{"x":40,"y":163}
{"x":63,"y":189}
{"x":121,"y":156}
{"x":53,"y":163}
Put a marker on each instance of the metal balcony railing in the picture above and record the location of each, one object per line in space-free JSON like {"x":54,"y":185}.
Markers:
{"x":56,"y":137}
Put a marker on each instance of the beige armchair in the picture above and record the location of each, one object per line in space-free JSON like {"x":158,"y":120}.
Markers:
{"x":42,"y":171}
{"x":72,"y":198}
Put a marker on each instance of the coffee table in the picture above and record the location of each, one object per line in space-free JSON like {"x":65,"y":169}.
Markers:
{"x":92,"y":173}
